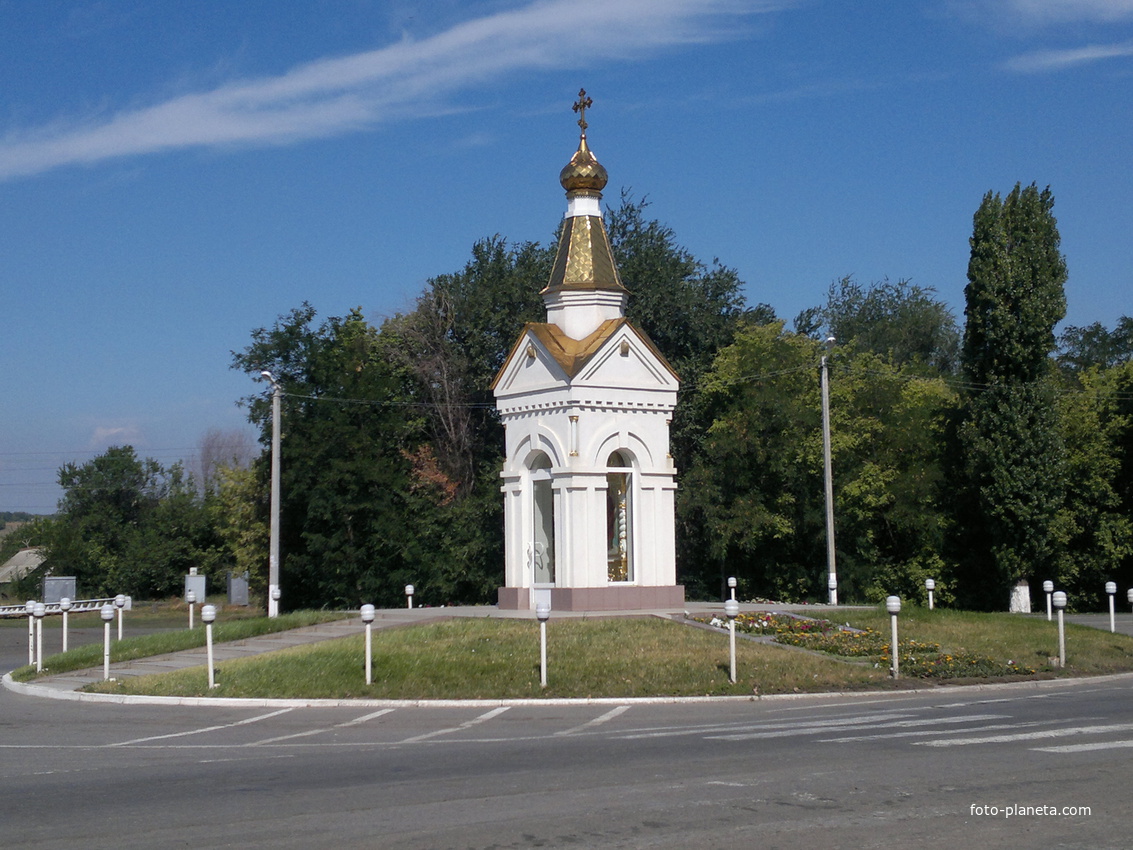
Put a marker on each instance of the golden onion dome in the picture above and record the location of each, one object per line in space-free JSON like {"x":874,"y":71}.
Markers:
{"x":583,"y":171}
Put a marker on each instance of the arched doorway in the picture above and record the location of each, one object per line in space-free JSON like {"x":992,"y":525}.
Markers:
{"x":542,"y":538}
{"x":619,"y":518}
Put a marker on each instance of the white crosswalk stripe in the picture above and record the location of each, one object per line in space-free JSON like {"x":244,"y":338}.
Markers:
{"x":1063,"y":732}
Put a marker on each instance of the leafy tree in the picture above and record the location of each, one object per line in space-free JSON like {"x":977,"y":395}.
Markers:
{"x":1079,"y":348}
{"x":451,"y":346}
{"x":1095,"y":532}
{"x":757,"y":488}
{"x":1009,"y":467}
{"x":899,"y":321}
{"x":343,"y":524}
{"x":127,"y":525}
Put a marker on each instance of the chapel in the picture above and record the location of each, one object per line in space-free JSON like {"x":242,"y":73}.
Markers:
{"x":586,"y":400}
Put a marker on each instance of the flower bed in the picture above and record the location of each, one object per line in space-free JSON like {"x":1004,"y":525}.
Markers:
{"x":917,"y":659}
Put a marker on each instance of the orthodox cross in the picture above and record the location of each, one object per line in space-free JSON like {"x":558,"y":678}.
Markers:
{"x":580,"y":107}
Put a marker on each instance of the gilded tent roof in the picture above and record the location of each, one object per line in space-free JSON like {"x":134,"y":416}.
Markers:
{"x":584,"y":259}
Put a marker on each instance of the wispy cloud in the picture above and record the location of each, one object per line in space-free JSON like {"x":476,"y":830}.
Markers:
{"x":1051,"y":11}
{"x":1056,"y":60}
{"x":397,"y":82}
{"x":116,"y":435}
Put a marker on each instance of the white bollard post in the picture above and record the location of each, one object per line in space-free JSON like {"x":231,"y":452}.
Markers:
{"x":1059,"y":600}
{"x":1111,"y":589}
{"x":29,"y":607}
{"x":409,"y":594}
{"x":930,"y":586}
{"x":40,"y":613}
{"x":543,"y":613}
{"x":732,"y":586}
{"x":107,"y":614}
{"x":1048,"y":589}
{"x":368,"y":619}
{"x":191,"y":598}
{"x":731,"y":611}
{"x":65,"y":605}
{"x":208,"y":614}
{"x":893,"y":606}
{"x":120,"y":604}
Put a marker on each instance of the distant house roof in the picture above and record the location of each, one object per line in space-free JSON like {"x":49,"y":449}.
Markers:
{"x":20,"y":564}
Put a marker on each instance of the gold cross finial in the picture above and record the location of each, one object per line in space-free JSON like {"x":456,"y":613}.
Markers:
{"x":580,"y":107}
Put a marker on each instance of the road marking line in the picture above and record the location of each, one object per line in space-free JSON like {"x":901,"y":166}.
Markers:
{"x":308,"y":733}
{"x":205,"y":729}
{"x":597,"y":721}
{"x":851,"y":722}
{"x":1027,"y":736}
{"x":989,"y":728}
{"x":1085,"y":748}
{"x":365,"y":717}
{"x":467,"y":724}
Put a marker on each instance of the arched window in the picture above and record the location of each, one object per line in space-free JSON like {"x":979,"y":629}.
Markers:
{"x":619,"y":518}
{"x":541,"y":549}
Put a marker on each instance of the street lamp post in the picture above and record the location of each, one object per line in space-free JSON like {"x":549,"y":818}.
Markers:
{"x":1048,"y":589}
{"x":542,"y":614}
{"x":107,"y":614}
{"x":409,"y":590}
{"x":208,"y":614}
{"x":828,"y":476}
{"x":273,"y":556}
{"x":29,"y":608}
{"x":1059,"y":599}
{"x":732,"y":587}
{"x":930,"y":586}
{"x":40,"y":613}
{"x":191,"y":598}
{"x":893,"y":606}
{"x":1111,"y":589}
{"x":120,"y":604}
{"x":65,"y":605}
{"x":731,"y":611}
{"x":368,"y":618}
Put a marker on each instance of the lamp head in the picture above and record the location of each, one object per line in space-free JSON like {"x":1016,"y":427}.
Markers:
{"x":1059,"y":599}
{"x":367,"y":613}
{"x":731,"y":609}
{"x":893,"y":604}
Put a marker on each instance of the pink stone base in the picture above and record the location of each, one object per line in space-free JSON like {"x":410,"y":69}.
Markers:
{"x":598,"y":598}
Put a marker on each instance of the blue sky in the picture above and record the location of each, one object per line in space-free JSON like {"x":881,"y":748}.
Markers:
{"x":174,"y":175}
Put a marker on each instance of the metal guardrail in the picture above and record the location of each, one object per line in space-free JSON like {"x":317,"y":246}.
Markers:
{"x":78,"y":606}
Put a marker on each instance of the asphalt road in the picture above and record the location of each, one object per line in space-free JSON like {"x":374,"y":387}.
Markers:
{"x":863,"y":771}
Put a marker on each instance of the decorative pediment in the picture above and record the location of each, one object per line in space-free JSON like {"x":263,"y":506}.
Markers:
{"x":617,"y":354}
{"x":627,"y":359}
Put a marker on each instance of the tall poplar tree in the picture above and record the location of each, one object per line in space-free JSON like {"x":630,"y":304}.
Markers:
{"x":1009,"y":454}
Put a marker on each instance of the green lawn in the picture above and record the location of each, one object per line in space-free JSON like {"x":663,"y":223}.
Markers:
{"x":490,"y":658}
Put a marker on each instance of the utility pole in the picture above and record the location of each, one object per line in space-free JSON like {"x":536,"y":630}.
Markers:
{"x":832,"y":578}
{"x":273,"y":557}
